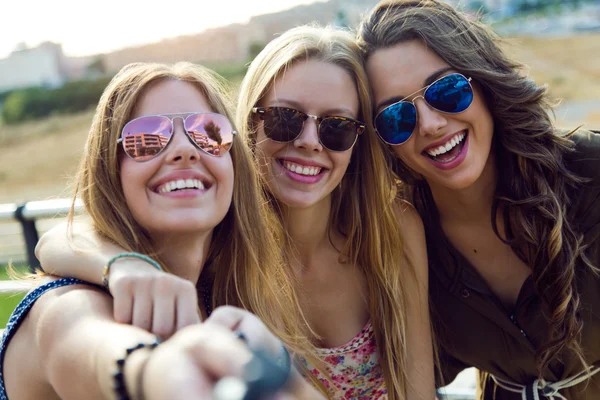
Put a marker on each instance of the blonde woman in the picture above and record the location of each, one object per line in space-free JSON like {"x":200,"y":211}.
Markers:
{"x":357,"y":257}
{"x":156,"y":125}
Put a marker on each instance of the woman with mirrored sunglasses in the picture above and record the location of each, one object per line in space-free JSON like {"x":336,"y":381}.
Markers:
{"x":510,"y":203}
{"x":358,"y":255}
{"x":163,"y":175}
{"x":357,"y":258}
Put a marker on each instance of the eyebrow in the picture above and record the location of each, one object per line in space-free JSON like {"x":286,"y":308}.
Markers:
{"x":428,"y":81}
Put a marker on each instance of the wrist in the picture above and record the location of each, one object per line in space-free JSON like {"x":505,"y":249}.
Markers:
{"x":130,"y":256}
{"x":128,"y":377}
{"x":134,"y":373}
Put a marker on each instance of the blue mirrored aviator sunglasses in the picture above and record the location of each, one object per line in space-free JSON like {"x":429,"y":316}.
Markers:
{"x":451,"y":94}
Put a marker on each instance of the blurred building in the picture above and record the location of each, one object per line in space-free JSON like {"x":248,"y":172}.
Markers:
{"x":43,"y":65}
{"x":46,"y":65}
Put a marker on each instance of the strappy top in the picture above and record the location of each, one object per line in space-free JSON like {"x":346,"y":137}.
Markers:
{"x":354,"y":369}
{"x":19,"y":314}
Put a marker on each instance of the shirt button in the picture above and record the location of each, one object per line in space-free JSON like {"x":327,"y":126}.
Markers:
{"x":465,"y":293}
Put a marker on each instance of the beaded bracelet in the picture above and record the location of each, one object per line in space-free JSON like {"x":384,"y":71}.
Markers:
{"x":140,"y":256}
{"x":120,"y":387}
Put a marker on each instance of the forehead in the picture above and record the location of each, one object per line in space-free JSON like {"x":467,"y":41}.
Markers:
{"x":171,"y":96}
{"x":401,"y":69}
{"x":316,"y":86}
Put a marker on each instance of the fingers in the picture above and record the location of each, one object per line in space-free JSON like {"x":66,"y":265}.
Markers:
{"x":173,"y":374}
{"x":186,"y":306}
{"x":191,"y":362}
{"x":216,"y":350}
{"x":123,"y":306}
{"x":142,"y":308}
{"x":251,"y":326}
{"x":163,"y":316}
{"x":157,"y":302}
{"x":228,"y":317}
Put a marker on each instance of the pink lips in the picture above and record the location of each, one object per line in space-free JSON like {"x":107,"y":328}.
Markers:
{"x":306,"y":179}
{"x":454,"y":163}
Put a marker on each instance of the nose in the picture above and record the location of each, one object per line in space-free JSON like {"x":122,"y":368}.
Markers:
{"x":181,"y":149}
{"x":309,"y":137}
{"x":429,"y":120}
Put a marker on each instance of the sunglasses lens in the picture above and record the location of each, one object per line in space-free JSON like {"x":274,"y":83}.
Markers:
{"x":338,"y":134}
{"x":451,"y":94}
{"x":282,"y":124}
{"x":212,"y":132}
{"x":145,"y":137}
{"x":396,"y":123}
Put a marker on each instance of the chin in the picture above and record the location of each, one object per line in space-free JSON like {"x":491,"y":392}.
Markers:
{"x":297,"y":202}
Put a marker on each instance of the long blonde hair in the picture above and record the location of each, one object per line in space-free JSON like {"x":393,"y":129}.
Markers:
{"x":243,"y":255}
{"x":362,"y":205}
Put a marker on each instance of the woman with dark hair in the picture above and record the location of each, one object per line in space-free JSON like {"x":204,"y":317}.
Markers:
{"x":509,"y":202}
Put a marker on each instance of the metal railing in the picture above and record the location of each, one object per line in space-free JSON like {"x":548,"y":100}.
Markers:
{"x":26,"y":216}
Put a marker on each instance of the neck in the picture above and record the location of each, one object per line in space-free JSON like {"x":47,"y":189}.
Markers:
{"x":308,"y":228}
{"x":470,"y":204}
{"x":185,"y":254}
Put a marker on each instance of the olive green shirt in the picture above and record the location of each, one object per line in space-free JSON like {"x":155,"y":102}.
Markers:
{"x":477,"y":330}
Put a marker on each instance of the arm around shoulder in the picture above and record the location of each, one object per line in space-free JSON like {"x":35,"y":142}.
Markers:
{"x":78,"y":252}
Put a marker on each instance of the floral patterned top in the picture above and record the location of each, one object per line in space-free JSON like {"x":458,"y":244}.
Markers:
{"x":354,"y":369}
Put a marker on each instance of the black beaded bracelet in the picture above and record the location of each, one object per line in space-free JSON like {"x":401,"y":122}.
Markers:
{"x":120,"y":387}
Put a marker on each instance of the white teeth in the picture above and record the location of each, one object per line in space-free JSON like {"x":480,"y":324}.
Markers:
{"x":181,"y":184}
{"x":302,"y":170}
{"x":450,"y":144}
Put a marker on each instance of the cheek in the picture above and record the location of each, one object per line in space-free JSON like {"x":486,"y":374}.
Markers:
{"x":223,"y":171}
{"x":341,"y":160}
{"x":407,"y":152}
{"x":129,"y":176}
{"x":266,"y":150}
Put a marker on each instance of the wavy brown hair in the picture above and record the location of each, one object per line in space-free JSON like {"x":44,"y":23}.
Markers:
{"x":362,"y":207}
{"x":243,"y":256}
{"x":532,"y":190}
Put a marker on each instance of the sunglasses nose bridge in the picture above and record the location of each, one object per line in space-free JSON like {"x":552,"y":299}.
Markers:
{"x":429,"y":119}
{"x":181,"y":141}
{"x":309,"y":137}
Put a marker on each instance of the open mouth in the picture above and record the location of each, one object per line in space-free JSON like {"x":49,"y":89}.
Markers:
{"x":448,"y":151}
{"x":304,"y":170}
{"x":183,"y":185}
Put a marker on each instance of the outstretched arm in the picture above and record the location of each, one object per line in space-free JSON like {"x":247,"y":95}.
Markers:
{"x":67,"y":347}
{"x":141,"y":292}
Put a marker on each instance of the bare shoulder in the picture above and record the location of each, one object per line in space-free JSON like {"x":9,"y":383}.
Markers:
{"x":409,"y":222}
{"x":413,"y":236}
{"x":52,"y":315}
{"x":58,"y":308}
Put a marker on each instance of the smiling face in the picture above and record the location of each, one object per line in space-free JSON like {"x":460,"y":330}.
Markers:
{"x":450,"y":151}
{"x":152,"y":188}
{"x":302,"y":173}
